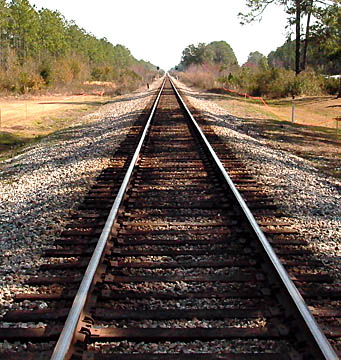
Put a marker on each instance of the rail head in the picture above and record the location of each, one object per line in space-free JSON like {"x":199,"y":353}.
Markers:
{"x":66,"y":337}
{"x":326,"y":350}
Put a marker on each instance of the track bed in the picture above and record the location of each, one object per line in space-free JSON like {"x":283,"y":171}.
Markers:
{"x":183,"y":275}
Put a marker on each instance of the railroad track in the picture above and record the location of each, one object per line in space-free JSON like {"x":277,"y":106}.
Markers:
{"x":181,"y":269}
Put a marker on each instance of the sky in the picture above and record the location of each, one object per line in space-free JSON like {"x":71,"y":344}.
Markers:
{"x":159,"y":30}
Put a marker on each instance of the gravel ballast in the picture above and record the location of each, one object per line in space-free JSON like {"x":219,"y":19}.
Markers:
{"x":41,"y":187}
{"x":310,"y":199}
{"x":48,"y":181}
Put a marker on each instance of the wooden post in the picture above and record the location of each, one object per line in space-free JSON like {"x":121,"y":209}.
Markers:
{"x":293,"y":109}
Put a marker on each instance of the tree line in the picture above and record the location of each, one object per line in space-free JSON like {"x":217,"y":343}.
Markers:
{"x":219,"y":52}
{"x":40,"y":48}
{"x":315,"y":50}
{"x":324,"y":32}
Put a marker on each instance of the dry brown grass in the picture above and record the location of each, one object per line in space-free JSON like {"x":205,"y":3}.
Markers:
{"x":25,"y":114}
{"x":24,"y":120}
{"x":312,"y":136}
{"x":315,"y":110}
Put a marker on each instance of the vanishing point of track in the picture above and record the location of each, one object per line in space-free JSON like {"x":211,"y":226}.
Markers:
{"x":180,"y":259}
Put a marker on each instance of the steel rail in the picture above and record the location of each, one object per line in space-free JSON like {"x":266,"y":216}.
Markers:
{"x":323,"y":344}
{"x":65,"y":339}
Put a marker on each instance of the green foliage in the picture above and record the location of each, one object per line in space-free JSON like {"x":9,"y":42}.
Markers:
{"x":102,"y":73}
{"x":24,"y":25}
{"x":222,"y":53}
{"x":283,"y":56}
{"x":319,"y":58}
{"x":195,"y":55}
{"x":53,"y":35}
{"x":41,"y":48}
{"x":311,"y":83}
{"x":238,"y":80}
{"x":331,"y":85}
{"x":265,"y":82}
{"x":20,"y":78}
{"x":279,"y":83}
{"x":268,"y":82}
{"x":256,"y":59}
{"x":217,"y":52}
{"x":327,"y":36}
{"x":128,"y":80}
{"x":296,"y":10}
{"x":64,"y":70}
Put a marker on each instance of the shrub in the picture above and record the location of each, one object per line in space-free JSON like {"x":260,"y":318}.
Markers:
{"x":242,"y":79}
{"x":260,"y":81}
{"x":331,"y":86}
{"x":100,"y":73}
{"x":69,"y":73}
{"x":265,"y":82}
{"x":80,"y":69}
{"x":279,"y":82}
{"x":128,"y":81}
{"x":312,"y":83}
{"x":202,"y":76}
{"x":29,"y":81}
{"x":20,"y":78}
{"x":65,"y":71}
{"x":45,"y":71}
{"x":61,"y":72}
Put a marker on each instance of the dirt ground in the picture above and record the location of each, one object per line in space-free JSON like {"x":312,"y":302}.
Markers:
{"x":313,"y":136}
{"x":314,"y":110}
{"x":24,"y":120}
{"x":20,"y":114}
{"x":27,"y":120}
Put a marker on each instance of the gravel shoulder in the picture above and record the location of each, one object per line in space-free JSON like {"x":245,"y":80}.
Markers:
{"x":309,"y":198}
{"x":49,"y":180}
{"x":41,"y":187}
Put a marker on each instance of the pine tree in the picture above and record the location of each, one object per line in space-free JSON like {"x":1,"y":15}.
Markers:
{"x":295,"y":10}
{"x":24,"y":27}
{"x":4,"y":32}
{"x":53,"y":39}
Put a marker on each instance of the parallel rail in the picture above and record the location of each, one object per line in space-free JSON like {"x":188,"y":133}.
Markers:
{"x":178,"y":218}
{"x":293,"y":295}
{"x":316,"y":338}
{"x":66,"y":337}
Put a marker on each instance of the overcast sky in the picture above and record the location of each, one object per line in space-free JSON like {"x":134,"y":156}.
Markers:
{"x":159,"y":30}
